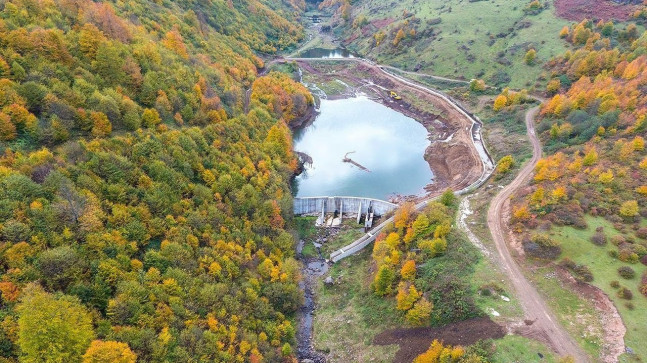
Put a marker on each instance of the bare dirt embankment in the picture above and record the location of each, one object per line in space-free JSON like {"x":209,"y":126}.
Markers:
{"x":415,"y":341}
{"x":452,"y":156}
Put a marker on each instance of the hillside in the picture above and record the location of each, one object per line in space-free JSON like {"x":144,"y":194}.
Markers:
{"x":586,"y":206}
{"x":142,"y":212}
{"x":456,"y":38}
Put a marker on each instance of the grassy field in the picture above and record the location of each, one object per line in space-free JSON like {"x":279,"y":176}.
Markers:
{"x":514,"y":348}
{"x":481,"y":39}
{"x":349,"y":315}
{"x":577,"y":246}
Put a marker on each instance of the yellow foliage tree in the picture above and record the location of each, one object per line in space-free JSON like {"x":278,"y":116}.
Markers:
{"x":109,"y":352}
{"x":419,"y":314}
{"x":500,"y":102}
{"x":407,"y":296}
{"x":438,"y":353}
{"x":408,"y":270}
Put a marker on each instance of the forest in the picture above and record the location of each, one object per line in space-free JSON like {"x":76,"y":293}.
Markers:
{"x":144,"y":197}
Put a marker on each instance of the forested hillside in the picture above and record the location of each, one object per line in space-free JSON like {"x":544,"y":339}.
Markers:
{"x":142,"y":211}
{"x":586,"y":207}
{"x":594,"y":129}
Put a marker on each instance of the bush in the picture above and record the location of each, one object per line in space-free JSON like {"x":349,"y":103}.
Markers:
{"x":625,"y":293}
{"x":617,"y":240}
{"x":643,"y":284}
{"x":627,"y":255}
{"x":599,"y":239}
{"x":615,"y":284}
{"x":626,"y":272}
{"x":567,"y":263}
{"x":613,"y":253}
{"x":583,"y":273}
{"x":629,"y":305}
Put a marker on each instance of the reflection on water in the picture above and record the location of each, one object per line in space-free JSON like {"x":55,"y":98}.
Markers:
{"x":326,"y":53}
{"x":389,"y":144}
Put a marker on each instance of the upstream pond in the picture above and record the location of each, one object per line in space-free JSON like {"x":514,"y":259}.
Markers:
{"x":387,"y":143}
{"x":326,"y":53}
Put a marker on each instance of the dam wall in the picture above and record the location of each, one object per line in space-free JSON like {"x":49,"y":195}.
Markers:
{"x":345,"y":205}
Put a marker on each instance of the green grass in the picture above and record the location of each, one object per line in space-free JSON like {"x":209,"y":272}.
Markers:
{"x":468,"y":39}
{"x":575,"y":313}
{"x":514,"y":348}
{"x":349,"y":315}
{"x":576,"y":245}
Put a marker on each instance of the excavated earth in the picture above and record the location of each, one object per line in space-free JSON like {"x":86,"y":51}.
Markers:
{"x":414,"y":342}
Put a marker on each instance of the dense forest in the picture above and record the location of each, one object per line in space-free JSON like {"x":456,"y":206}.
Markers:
{"x":144,"y":195}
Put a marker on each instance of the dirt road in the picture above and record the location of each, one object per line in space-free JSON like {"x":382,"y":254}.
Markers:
{"x":545,"y":326}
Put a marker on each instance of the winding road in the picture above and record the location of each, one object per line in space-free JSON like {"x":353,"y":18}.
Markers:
{"x":545,"y":326}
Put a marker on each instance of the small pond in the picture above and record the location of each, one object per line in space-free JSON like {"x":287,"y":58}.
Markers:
{"x":326,"y":53}
{"x":388,"y":143}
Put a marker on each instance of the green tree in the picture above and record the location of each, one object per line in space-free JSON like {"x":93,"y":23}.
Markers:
{"x":383,"y":283}
{"x":52,"y":328}
{"x":530,"y":57}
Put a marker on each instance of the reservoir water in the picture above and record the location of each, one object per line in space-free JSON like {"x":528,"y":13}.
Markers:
{"x":326,"y":53}
{"x":388,"y":143}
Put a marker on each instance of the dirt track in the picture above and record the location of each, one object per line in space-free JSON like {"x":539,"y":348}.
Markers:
{"x":545,"y":326}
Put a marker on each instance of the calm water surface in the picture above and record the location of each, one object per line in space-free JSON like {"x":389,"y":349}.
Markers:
{"x":326,"y":53}
{"x":390,"y":144}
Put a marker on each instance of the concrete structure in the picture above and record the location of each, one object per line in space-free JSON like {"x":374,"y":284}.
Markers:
{"x":322,"y":205}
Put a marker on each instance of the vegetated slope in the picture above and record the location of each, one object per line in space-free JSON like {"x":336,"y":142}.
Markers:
{"x":139,"y":207}
{"x":594,"y":130}
{"x":457,"y":38}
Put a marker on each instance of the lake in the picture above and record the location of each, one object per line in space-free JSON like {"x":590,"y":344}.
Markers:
{"x":388,"y":143}
{"x":326,"y":53}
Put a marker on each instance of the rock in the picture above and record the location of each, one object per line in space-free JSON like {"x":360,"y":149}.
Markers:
{"x":307,"y":361}
{"x":329,"y":280}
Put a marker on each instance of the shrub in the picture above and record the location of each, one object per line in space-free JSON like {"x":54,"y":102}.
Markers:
{"x":629,"y":305}
{"x":625,"y":293}
{"x":567,"y":263}
{"x":613,"y":253}
{"x":617,"y":240}
{"x":615,"y":284}
{"x":643,"y":284}
{"x":542,"y":246}
{"x":642,"y":233}
{"x":583,"y":273}
{"x":627,"y":255}
{"x":626,"y":272}
{"x":599,"y":239}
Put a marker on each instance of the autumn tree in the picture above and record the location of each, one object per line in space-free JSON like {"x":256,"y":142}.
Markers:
{"x":629,"y":209}
{"x":419,"y":314}
{"x":101,"y":351}
{"x":52,"y":329}
{"x":530,"y":57}
{"x":383,"y":282}
{"x":408,"y":271}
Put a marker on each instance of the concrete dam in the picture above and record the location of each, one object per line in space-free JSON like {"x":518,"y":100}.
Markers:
{"x":342,"y":205}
